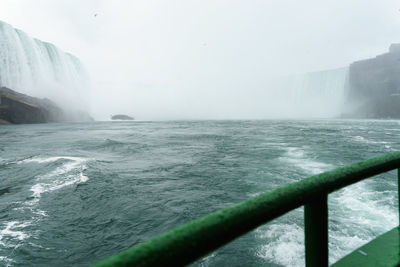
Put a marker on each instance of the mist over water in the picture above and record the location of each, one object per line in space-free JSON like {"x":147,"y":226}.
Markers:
{"x":210,"y":59}
{"x":307,"y":95}
{"x":40,"y":69}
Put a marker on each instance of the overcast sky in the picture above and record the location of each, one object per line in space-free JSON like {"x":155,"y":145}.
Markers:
{"x":171,"y":59}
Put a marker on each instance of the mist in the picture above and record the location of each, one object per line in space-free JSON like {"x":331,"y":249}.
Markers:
{"x":166,"y":60}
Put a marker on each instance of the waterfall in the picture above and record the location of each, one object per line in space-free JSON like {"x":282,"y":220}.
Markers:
{"x":313,"y":94}
{"x":40,"y":69}
{"x":321,"y":85}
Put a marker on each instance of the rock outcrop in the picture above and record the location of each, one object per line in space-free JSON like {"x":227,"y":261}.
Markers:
{"x":122,"y":117}
{"x":374,"y":86}
{"x":17,"y":108}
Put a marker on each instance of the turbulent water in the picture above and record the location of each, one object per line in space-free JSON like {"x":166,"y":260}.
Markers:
{"x":38,"y":68}
{"x":72,"y":194}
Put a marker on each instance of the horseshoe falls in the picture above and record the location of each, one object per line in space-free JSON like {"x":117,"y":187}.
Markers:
{"x":314,"y":94}
{"x":40,"y":69}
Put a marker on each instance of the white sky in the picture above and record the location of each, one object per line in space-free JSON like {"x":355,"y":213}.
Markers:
{"x":170,"y":59}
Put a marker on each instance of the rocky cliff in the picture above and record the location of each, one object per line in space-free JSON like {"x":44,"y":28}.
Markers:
{"x":373,"y":89}
{"x":17,"y":108}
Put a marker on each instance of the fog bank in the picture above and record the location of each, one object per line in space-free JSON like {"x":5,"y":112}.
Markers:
{"x":206,"y":59}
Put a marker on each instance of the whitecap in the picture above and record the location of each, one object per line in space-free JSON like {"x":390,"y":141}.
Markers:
{"x":70,"y":172}
{"x":362,"y":213}
{"x":362,"y":139}
{"x":297,"y":157}
{"x":284,"y":244}
{"x":50,"y":159}
{"x":83,"y":178}
{"x":13,"y":231}
{"x":358,"y":214}
{"x":207,"y":259}
{"x":7,"y":261}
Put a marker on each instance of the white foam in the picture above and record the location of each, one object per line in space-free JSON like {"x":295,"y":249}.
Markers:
{"x":362,"y":139}
{"x":340,"y":245}
{"x":388,"y":147}
{"x":70,"y":172}
{"x":297,"y":157}
{"x":49,"y":159}
{"x":358,"y":214}
{"x":37,"y":190}
{"x":362,"y":214}
{"x":13,"y":231}
{"x":207,"y":259}
{"x":83,"y":178}
{"x":284,"y":244}
{"x":5,"y":260}
{"x":41,"y":188}
{"x":256,"y":194}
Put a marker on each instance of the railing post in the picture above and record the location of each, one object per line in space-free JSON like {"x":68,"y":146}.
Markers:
{"x":316,"y":232}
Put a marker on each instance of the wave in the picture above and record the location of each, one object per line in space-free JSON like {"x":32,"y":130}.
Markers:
{"x":11,"y":230}
{"x":50,"y":159}
{"x":118,"y":147}
{"x":298,"y":158}
{"x":362,"y":213}
{"x":361,"y":139}
{"x":12,"y":236}
{"x":357,"y":214}
{"x":284,"y":244}
{"x":70,"y":172}
{"x":6,"y":260}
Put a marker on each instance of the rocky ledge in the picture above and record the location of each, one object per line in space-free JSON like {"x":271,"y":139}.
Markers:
{"x":17,"y":108}
{"x":122,"y":117}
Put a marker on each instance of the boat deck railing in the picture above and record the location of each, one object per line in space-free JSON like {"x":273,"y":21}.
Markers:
{"x":189,"y":242}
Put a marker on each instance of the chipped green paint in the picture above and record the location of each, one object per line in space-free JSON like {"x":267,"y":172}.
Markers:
{"x":184,"y":244}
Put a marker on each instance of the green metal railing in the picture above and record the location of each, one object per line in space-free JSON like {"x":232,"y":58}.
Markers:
{"x":189,"y":242}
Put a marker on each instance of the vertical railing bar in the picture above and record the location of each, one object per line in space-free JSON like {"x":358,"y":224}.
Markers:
{"x":316,"y":232}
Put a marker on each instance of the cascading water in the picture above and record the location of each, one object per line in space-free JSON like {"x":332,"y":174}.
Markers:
{"x":313,"y":94}
{"x":329,"y":84}
{"x":40,"y":69}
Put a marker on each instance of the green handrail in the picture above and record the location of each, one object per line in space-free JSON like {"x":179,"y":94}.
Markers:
{"x":184,"y":244}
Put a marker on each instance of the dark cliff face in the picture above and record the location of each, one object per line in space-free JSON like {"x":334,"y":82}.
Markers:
{"x":374,"y":86}
{"x":17,"y":108}
{"x":14,"y":111}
